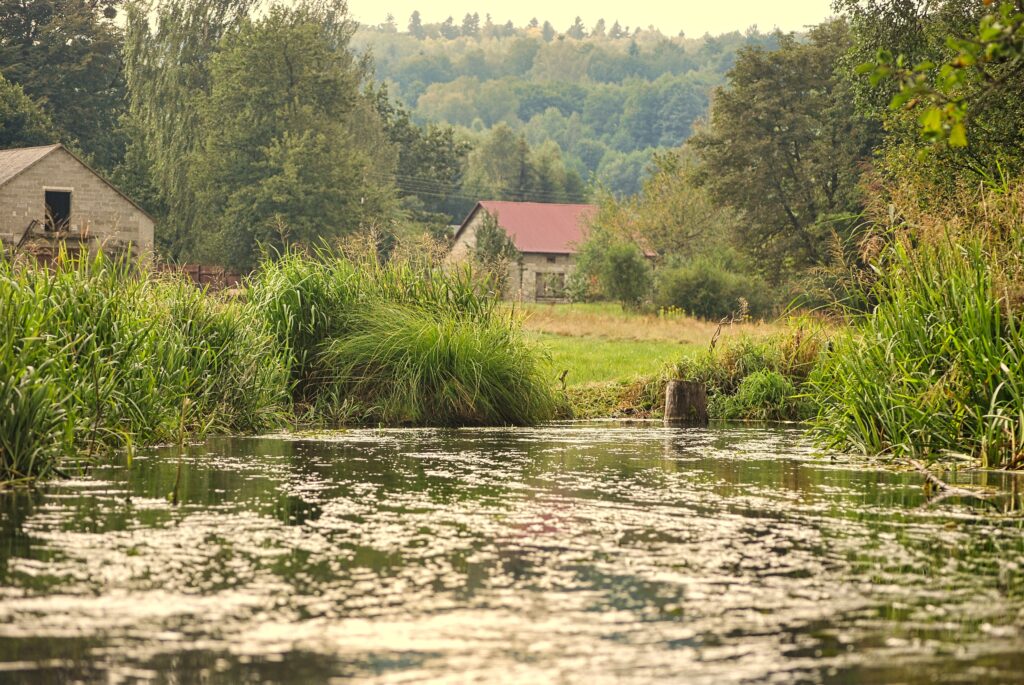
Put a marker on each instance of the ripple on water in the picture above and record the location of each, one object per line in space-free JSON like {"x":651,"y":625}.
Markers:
{"x":558,"y":554}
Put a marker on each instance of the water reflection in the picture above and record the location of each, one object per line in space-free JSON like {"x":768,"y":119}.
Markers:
{"x":566,"y":554}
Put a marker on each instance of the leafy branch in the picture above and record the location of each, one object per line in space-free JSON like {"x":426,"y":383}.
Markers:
{"x":981,"y":67}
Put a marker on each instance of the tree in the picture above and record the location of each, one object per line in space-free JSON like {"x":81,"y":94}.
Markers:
{"x":164,"y":99}
{"x":786,"y":147}
{"x":416,"y":25}
{"x":292,"y":152}
{"x":578,"y":30}
{"x":963,"y":92}
{"x":471,"y":25}
{"x":616,"y":31}
{"x":616,"y":265}
{"x":548,"y":32}
{"x":494,"y":251}
{"x":430,"y":163}
{"x":599,"y":29}
{"x":65,"y":54}
{"x":672,"y":215}
{"x":22,"y":122}
{"x":448,"y":29}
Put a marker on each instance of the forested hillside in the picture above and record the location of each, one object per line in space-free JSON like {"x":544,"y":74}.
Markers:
{"x":607,"y":96}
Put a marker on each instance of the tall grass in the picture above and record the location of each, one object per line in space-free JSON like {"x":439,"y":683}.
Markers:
{"x":95,"y":353}
{"x":399,"y":342}
{"x":760,"y":377}
{"x":938,"y":364}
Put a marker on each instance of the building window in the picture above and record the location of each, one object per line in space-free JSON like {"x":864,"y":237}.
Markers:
{"x":58,"y":210}
{"x":550,"y":286}
{"x":552,"y":260}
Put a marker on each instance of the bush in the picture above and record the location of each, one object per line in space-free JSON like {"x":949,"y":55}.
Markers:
{"x":708,"y":289}
{"x":759,"y":378}
{"x":617,"y":267}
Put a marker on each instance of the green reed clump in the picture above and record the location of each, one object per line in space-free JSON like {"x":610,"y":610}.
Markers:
{"x":95,"y":354}
{"x":404,"y":364}
{"x":760,"y":378}
{"x":938,"y":365}
{"x":398,"y":342}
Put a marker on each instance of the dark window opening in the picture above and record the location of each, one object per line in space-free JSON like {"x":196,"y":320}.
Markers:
{"x":550,"y":285}
{"x":552,"y":260}
{"x":58,"y":210}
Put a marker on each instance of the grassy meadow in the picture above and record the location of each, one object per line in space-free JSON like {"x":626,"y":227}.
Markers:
{"x":616,"y":360}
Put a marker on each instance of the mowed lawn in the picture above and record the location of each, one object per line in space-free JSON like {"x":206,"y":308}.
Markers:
{"x":592,"y":359}
{"x":601,"y":342}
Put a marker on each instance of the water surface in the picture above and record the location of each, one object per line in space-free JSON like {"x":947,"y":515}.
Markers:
{"x":575,"y":554}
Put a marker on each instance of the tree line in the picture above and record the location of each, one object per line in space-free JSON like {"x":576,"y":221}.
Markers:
{"x":610,"y":98}
{"x":810,"y":156}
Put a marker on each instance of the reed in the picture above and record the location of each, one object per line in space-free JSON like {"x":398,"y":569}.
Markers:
{"x":938,"y":365}
{"x":97,"y":354}
{"x":399,"y":342}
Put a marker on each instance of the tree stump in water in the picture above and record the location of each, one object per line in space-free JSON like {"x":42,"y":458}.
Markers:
{"x":686,"y":404}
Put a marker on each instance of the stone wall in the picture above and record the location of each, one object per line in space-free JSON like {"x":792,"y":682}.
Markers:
{"x":99,"y":214}
{"x":522,"y":277}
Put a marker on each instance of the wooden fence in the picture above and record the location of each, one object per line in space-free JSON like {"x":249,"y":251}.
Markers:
{"x":214,"y":277}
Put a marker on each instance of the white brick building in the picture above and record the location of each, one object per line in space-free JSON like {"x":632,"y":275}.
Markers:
{"x":49,"y":196}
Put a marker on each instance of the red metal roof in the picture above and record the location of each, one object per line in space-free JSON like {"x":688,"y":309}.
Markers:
{"x":538,"y":226}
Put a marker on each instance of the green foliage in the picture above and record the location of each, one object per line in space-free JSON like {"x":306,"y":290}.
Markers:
{"x":494,"y":251}
{"x":986,"y":59}
{"x":502,"y":166}
{"x":935,"y":366}
{"x":615,"y":265}
{"x":169,"y":45}
{"x":94,"y":355}
{"x":292,"y":150}
{"x":785,"y":146}
{"x":708,"y":288}
{"x":399,"y":342}
{"x":66,"y":55}
{"x":760,"y":378}
{"x":764,"y":395}
{"x":606,"y":99}
{"x":22,"y":122}
{"x":956,"y":114}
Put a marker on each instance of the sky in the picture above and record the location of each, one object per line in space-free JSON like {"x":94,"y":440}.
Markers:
{"x":694,"y":17}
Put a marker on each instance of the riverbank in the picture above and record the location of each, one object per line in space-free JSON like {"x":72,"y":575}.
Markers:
{"x":97,"y":355}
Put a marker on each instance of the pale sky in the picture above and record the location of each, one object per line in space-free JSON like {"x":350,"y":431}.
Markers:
{"x":695,"y":17}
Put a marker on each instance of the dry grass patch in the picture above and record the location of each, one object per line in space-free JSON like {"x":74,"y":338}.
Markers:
{"x":609,"y":321}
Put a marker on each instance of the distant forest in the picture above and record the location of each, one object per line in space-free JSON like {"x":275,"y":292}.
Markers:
{"x":600,"y":100}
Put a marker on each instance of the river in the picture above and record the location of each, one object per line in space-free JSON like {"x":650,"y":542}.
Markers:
{"x":591,"y":554}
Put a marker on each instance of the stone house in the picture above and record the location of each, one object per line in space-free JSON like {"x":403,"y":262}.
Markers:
{"x":547,"y":237}
{"x":48,"y":196}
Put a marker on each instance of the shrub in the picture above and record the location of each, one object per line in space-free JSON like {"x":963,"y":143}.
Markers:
{"x":759,"y":378}
{"x":707,"y":288}
{"x":617,"y":267}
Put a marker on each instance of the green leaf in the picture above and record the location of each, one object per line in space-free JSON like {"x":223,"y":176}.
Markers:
{"x":958,"y":136}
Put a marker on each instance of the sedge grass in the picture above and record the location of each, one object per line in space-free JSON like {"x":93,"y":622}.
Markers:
{"x":938,"y":365}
